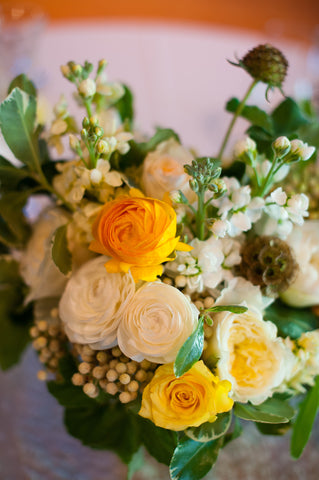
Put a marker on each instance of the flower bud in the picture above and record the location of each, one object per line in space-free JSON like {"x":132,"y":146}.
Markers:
{"x":299,"y":151}
{"x":74,"y":142}
{"x":65,"y":70}
{"x":94,"y":121}
{"x":267,"y":64}
{"x":281,"y":146}
{"x":87,"y":88}
{"x":76,"y":70}
{"x":84,"y":134}
{"x":85,"y":122}
{"x":99,"y":131}
{"x":194,"y":185}
{"x":101,"y":66}
{"x":102,"y":147}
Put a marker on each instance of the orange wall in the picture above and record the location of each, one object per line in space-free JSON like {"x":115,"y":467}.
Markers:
{"x":290,"y":18}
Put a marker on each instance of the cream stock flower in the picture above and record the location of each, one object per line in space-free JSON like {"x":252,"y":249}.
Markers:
{"x":157,"y":323}
{"x":250,"y":355}
{"x":37,"y":267}
{"x":163,"y":170}
{"x":93,"y":303}
{"x":304,"y":241}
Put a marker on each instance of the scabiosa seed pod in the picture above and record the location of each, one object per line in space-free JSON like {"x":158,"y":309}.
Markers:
{"x":267,"y":64}
{"x":268,"y":262}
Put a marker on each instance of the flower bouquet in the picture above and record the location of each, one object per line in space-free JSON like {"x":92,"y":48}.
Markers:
{"x":168,"y":297}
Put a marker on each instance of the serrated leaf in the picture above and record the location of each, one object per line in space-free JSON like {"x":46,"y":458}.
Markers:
{"x":24,"y":83}
{"x":305,"y":419}
{"x":17,"y":123}
{"x":271,"y":411}
{"x":194,"y":459}
{"x":190,"y":351}
{"x":60,"y":252}
{"x":291,"y":322}
{"x":238,"y":309}
{"x":252,"y":113}
{"x":288,"y":117}
{"x":159,"y":442}
{"x":210,"y":430}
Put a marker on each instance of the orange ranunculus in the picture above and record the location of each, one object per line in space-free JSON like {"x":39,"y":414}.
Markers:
{"x":138,"y":233}
{"x":188,"y":401}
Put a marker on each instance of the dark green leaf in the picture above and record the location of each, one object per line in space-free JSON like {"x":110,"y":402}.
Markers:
{"x":273,"y":429}
{"x":161,"y":135}
{"x":60,"y":252}
{"x":125,"y":106}
{"x":271,"y":411}
{"x":237,"y":431}
{"x":227,"y":308}
{"x":304,"y":421}
{"x":17,"y":123}
{"x":24,"y":83}
{"x":253,"y":114}
{"x":194,"y":459}
{"x":291,"y":322}
{"x":67,"y":367}
{"x":69,"y":395}
{"x":159,"y":442}
{"x":11,"y":212}
{"x":288,"y":117}
{"x":105,"y":427}
{"x":10,"y":176}
{"x":262,"y":138}
{"x":210,"y":430}
{"x":191,"y":351}
{"x":236,"y":169}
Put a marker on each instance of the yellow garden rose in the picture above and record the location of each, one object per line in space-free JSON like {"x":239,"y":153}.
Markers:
{"x":188,"y":401}
{"x":138,"y":233}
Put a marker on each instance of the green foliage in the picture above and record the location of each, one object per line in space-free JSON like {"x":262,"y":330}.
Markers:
{"x":253,"y":114}
{"x":14,"y":229}
{"x":272,"y":410}
{"x":60,"y":252}
{"x":14,"y":318}
{"x":291,"y":322}
{"x":11,"y":176}
{"x":193,"y":459}
{"x":210,"y":430}
{"x":135,"y":464}
{"x":287,"y":118}
{"x":238,"y":309}
{"x":17,"y":123}
{"x":190,"y":351}
{"x":125,"y":106}
{"x":159,"y":442}
{"x":273,"y":428}
{"x":24,"y":83}
{"x":306,"y":416}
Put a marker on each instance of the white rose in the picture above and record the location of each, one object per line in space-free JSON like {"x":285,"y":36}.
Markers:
{"x":37,"y":267}
{"x":250,"y":355}
{"x":163,"y":170}
{"x":93,"y":303}
{"x":304,"y":240}
{"x":156,"y":324}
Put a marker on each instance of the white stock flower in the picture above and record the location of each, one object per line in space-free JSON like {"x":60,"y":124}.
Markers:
{"x":279,"y":176}
{"x":93,"y":304}
{"x":156,"y":323}
{"x":250,"y":355}
{"x":163,"y":170}
{"x":87,"y":87}
{"x":37,"y":267}
{"x":304,"y":241}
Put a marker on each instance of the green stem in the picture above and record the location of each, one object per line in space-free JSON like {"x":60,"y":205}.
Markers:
{"x":200,"y":215}
{"x":235,"y":116}
{"x":264,"y":188}
{"x":88,"y":106}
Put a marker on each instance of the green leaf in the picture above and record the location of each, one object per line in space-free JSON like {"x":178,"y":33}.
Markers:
{"x":17,"y":123}
{"x":210,"y":430}
{"x":272,"y":410}
{"x":262,"y":138}
{"x":125,"y":105}
{"x":237,"y":431}
{"x":161,"y":135}
{"x":69,"y":395}
{"x":135,"y":464}
{"x":11,"y":176}
{"x":291,"y":322}
{"x":304,"y":421}
{"x":60,"y":252}
{"x":194,"y":459}
{"x":190,"y":351}
{"x":11,"y":212}
{"x":105,"y":427}
{"x":253,"y":114}
{"x":24,"y":83}
{"x":159,"y":442}
{"x":238,"y":309}
{"x":273,"y":429}
{"x":288,"y":117}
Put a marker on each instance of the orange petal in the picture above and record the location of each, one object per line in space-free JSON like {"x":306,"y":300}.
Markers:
{"x":148,"y":274}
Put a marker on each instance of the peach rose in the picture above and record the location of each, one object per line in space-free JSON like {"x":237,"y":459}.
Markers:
{"x":188,"y":401}
{"x":138,"y":233}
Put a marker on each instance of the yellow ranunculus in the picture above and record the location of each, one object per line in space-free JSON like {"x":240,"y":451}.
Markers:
{"x":138,"y":233}
{"x":188,"y":401}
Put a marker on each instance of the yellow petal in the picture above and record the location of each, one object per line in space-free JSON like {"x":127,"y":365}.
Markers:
{"x":135,"y":192}
{"x":148,"y":274}
{"x":183,"y":247}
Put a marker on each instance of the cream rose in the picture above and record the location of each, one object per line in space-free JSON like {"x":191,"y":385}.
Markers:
{"x":250,"y":355}
{"x":163,"y":170}
{"x":156,"y":324}
{"x":93,"y":304}
{"x":304,"y":240}
{"x":37,"y":267}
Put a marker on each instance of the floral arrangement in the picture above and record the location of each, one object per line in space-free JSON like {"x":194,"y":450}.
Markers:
{"x":168,"y":297}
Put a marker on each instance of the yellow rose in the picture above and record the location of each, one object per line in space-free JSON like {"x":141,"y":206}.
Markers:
{"x":138,"y":233}
{"x":188,"y":401}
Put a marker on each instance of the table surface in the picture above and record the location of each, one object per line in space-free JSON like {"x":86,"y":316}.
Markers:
{"x":181,"y":80}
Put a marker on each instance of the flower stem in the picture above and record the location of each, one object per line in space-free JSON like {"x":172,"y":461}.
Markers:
{"x":235,"y":116}
{"x":200,"y":215}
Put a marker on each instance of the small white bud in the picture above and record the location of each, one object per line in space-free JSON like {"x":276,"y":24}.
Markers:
{"x":281,"y":146}
{"x":87,"y":88}
{"x":244,"y":146}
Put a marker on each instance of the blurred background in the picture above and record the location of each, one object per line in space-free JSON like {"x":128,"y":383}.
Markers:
{"x":172,"y":53}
